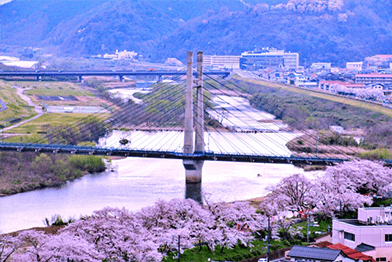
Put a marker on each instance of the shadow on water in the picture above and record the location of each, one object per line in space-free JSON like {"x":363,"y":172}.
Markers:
{"x":193,"y":191}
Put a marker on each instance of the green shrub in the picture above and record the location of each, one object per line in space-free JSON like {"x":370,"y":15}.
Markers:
{"x":377,"y":154}
{"x":92,"y":164}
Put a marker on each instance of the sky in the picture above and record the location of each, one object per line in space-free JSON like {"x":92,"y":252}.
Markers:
{"x":4,"y":1}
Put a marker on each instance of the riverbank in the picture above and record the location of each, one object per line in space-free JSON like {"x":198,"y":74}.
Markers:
{"x":22,"y":172}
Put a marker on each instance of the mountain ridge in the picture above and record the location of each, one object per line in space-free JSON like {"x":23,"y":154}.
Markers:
{"x":334,"y":31}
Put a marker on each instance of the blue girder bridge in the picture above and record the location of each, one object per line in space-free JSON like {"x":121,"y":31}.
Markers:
{"x":117,"y":73}
{"x":206,"y":156}
{"x":193,"y":152}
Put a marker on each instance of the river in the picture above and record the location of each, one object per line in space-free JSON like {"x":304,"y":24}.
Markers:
{"x":139,"y":182}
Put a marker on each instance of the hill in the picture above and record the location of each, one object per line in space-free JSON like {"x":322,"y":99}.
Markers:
{"x":320,"y":30}
{"x":348,"y":33}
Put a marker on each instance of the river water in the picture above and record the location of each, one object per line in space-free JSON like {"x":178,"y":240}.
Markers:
{"x":139,"y":182}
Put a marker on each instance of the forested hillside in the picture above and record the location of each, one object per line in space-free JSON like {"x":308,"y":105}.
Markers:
{"x":320,"y":30}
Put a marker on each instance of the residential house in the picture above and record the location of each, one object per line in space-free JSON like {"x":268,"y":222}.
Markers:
{"x":352,"y":253}
{"x":314,"y":254}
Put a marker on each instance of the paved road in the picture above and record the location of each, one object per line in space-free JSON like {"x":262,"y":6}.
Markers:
{"x":38,"y":109}
{"x":3,"y":106}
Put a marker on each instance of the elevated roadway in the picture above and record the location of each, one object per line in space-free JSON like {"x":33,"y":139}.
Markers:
{"x":39,"y":75}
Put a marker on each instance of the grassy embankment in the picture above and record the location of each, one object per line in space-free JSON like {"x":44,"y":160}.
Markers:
{"x":17,"y":107}
{"x":22,"y":172}
{"x":32,"y":130}
{"x":331,"y":97}
{"x":312,"y":112}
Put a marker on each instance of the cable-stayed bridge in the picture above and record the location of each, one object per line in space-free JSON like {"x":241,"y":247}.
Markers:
{"x":196,"y":119}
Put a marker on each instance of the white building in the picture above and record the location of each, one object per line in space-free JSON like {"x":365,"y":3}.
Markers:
{"x":372,"y":229}
{"x":122,"y":55}
{"x":221,"y":61}
{"x":269,"y":58}
{"x":321,"y":66}
{"x":356,"y":66}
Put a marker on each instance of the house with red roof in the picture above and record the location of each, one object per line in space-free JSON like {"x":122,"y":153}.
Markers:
{"x":352,"y":253}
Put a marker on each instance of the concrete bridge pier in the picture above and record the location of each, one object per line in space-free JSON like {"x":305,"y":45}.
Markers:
{"x":194,"y":123}
{"x":193,"y":191}
{"x":159,"y":79}
{"x":193,"y":170}
{"x":38,"y":78}
{"x":80,"y":79}
{"x":121,"y":78}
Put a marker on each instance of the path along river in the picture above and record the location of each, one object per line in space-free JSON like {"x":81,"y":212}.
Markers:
{"x":139,"y":182}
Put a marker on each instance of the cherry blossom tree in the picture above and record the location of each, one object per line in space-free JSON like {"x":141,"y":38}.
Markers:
{"x":293,"y":193}
{"x":178,"y":217}
{"x":234,"y":223}
{"x":42,"y":247}
{"x":343,"y":185}
{"x":118,"y":235}
{"x":8,"y":245}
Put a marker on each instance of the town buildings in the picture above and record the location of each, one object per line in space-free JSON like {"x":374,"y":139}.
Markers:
{"x":371,"y":233}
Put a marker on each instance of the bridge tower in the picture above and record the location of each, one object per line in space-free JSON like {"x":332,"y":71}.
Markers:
{"x":194,"y":127}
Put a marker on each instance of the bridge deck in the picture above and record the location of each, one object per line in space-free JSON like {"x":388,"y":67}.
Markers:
{"x":103,"y":73}
{"x":207,"y":156}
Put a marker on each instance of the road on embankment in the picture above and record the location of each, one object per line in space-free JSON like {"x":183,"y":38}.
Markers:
{"x":3,"y":106}
{"x":38,"y":109}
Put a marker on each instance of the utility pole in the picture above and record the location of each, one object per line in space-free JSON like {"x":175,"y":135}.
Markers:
{"x":307,"y":228}
{"x":269,"y":239}
{"x":179,"y":251}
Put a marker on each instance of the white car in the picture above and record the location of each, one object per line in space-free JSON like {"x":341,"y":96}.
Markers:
{"x":263,"y":259}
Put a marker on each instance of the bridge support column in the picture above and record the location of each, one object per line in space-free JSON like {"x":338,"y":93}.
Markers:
{"x":159,"y":79}
{"x":121,"y":78}
{"x":39,"y":78}
{"x":193,"y":168}
{"x":193,"y":191}
{"x":80,"y":79}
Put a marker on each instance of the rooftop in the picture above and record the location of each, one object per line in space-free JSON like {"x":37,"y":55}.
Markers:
{"x":356,"y":222}
{"x":373,"y":75}
{"x":314,"y":253}
{"x":364,"y":247}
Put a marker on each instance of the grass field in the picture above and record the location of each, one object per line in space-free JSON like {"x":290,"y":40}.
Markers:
{"x":353,"y":102}
{"x":51,"y":88}
{"x":53,"y":119}
{"x":17,"y":107}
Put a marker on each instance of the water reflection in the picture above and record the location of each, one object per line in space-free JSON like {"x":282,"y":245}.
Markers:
{"x":137,"y":183}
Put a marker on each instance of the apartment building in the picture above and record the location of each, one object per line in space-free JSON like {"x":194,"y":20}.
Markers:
{"x":368,"y":79}
{"x":221,"y":61}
